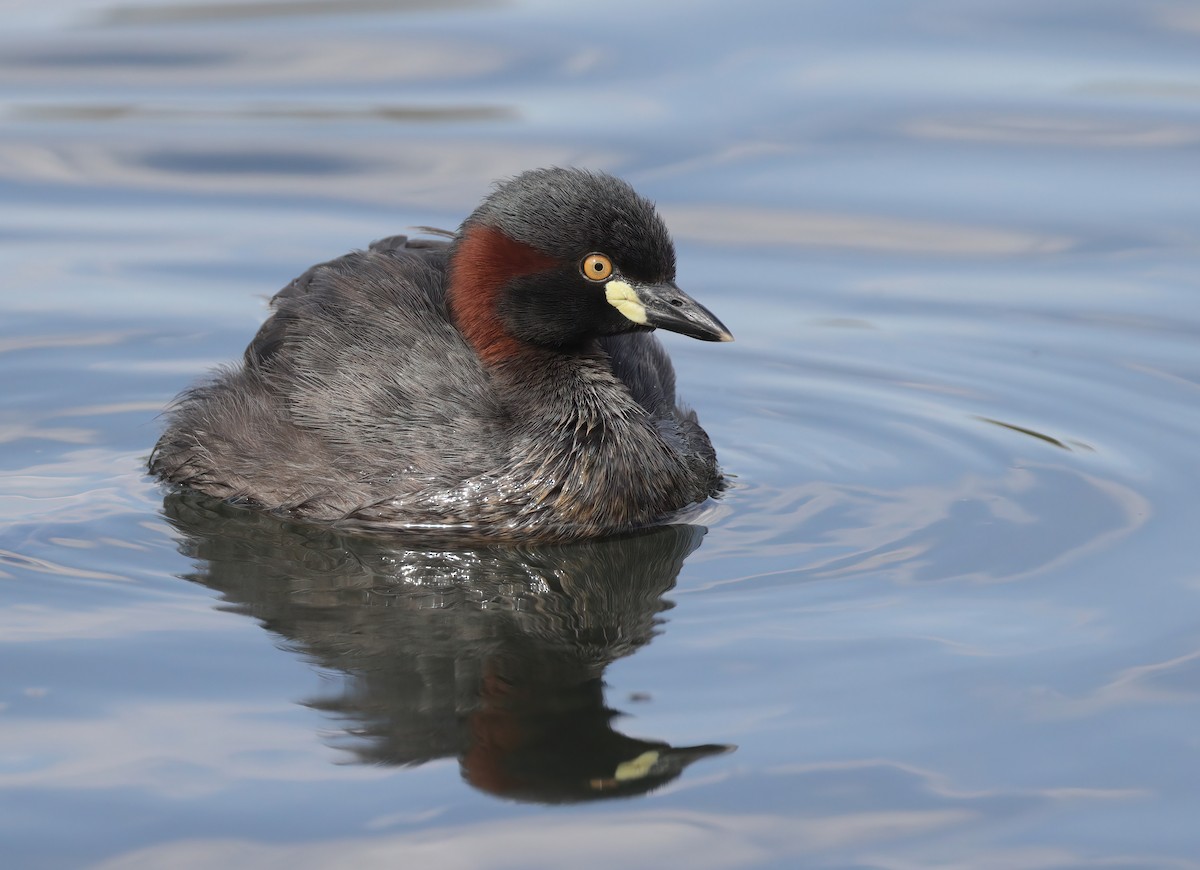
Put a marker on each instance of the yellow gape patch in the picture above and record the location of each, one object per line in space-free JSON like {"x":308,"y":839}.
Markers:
{"x":620,"y":296}
{"x":636,"y":768}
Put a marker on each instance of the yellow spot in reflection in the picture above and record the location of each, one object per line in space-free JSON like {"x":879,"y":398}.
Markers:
{"x":636,"y":768}
{"x":620,"y":296}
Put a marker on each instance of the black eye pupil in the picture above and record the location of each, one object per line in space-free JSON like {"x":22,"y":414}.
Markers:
{"x":599,"y":267}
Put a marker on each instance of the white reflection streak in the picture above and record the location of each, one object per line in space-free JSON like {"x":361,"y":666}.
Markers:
{"x":22,"y":343}
{"x":449,"y":175}
{"x":247,"y":62}
{"x":1130,"y":687}
{"x":1067,"y":132}
{"x":699,"y":841}
{"x":10,"y":432}
{"x":939,"y":784}
{"x":183,"y":749}
{"x":30,"y":623}
{"x":743,"y":225}
{"x":1028,"y":858}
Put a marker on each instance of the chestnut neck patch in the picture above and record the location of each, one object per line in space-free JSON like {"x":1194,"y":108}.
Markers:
{"x":484,"y":261}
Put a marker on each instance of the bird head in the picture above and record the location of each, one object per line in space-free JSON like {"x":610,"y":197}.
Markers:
{"x":555,"y":258}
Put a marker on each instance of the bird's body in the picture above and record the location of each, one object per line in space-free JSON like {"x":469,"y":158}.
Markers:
{"x":460,"y":389}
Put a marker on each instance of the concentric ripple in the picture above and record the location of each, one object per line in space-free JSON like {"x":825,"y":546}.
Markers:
{"x":949,"y":441}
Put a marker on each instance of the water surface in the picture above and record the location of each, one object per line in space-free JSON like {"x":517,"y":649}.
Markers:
{"x":948,"y":614}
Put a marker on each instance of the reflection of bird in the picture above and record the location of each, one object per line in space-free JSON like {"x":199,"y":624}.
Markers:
{"x":503,"y":385}
{"x":495,"y":655}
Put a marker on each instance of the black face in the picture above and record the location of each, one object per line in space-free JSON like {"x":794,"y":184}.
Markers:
{"x":560,"y":308}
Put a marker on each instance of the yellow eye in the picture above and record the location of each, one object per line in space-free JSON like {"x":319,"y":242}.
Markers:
{"x":596,"y":267}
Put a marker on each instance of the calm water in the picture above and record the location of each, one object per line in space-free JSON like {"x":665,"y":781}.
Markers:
{"x":949,"y":614}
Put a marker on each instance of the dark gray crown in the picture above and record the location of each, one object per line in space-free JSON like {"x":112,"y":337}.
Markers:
{"x":567,"y":213}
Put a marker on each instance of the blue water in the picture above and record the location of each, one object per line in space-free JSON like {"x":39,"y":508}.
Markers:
{"x":948,"y":615}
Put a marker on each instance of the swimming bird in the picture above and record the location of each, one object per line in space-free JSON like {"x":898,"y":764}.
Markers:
{"x":503,"y":384}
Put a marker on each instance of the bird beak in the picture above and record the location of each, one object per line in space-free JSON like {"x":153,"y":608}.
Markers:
{"x":665,"y":306}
